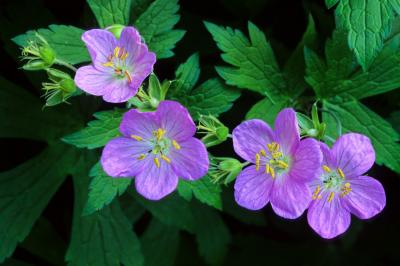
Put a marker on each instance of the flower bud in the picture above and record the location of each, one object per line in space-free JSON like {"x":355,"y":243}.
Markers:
{"x":116,"y":30}
{"x":38,"y":53}
{"x":215,"y":132}
{"x":224,"y":170}
{"x":61,"y":87}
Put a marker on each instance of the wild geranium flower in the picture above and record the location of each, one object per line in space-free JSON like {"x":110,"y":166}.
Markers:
{"x":282,"y":165}
{"x":119,"y":66}
{"x":156,"y":148}
{"x":341,"y":187}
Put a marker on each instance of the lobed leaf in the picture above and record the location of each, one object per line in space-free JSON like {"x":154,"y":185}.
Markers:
{"x":156,"y":27}
{"x":98,"y":132}
{"x":253,"y":62}
{"x":103,"y":189}
{"x":110,"y":12}
{"x":65,"y":41}
{"x":356,"y":117}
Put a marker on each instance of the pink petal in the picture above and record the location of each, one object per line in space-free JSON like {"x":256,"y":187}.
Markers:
{"x":154,"y":182}
{"x":328,"y":219}
{"x":176,"y":120}
{"x":92,"y":80}
{"x":250,"y":137}
{"x":367,"y":197}
{"x":287,"y":130}
{"x":120,"y":157}
{"x":289,"y":198}
{"x":354,"y":154}
{"x":120,"y":91}
{"x":191,"y":160}
{"x":306,"y":165}
{"x":101,"y":44}
{"x":252,"y":188}
{"x":139,"y":124}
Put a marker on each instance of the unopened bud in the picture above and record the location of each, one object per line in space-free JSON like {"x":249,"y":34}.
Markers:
{"x":215,"y":132}
{"x":116,"y":30}
{"x":224,"y":170}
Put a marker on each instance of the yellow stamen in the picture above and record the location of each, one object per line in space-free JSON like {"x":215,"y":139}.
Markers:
{"x":141,"y":156}
{"x":282,"y":164}
{"x":157,"y":162}
{"x":331,"y":196}
{"x":121,"y":52}
{"x":128,"y":76}
{"x":326,"y":168}
{"x":263,"y":153}
{"x":165,"y":158}
{"x":340,"y":172}
{"x":176,"y":145}
{"x":316,"y":193}
{"x":277,"y":154}
{"x":257,"y":161}
{"x":108,"y":64}
{"x":159,"y":133}
{"x":138,"y":138}
{"x":116,"y":51}
{"x":267,"y":168}
{"x":124,"y":56}
{"x":272,"y":172}
{"x":346,"y":189}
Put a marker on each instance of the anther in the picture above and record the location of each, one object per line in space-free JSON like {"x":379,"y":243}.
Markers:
{"x":165,"y":158}
{"x":282,"y":164}
{"x":340,"y":172}
{"x":331,"y":196}
{"x":138,"y":138}
{"x":157,"y":162}
{"x":176,"y":145}
{"x":316,"y":193}
{"x":116,"y":51}
{"x":108,"y":64}
{"x":141,"y":156}
{"x":263,"y":153}
{"x":257,"y":161}
{"x":267,"y":168}
{"x":326,"y":168}
{"x":128,"y":76}
{"x":272,"y":172}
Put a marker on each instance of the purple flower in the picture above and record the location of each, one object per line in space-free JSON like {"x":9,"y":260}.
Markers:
{"x":156,"y":148}
{"x":282,"y":165}
{"x":119,"y":66}
{"x":342,"y":189}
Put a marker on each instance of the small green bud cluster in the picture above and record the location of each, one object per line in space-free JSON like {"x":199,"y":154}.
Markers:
{"x":215,"y":132}
{"x":313,"y":127}
{"x":38,"y":54}
{"x":156,"y":92}
{"x":224,"y":170}
{"x":61,"y":87}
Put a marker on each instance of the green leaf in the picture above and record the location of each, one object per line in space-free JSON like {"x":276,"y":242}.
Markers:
{"x":211,"y":97}
{"x":65,"y":41}
{"x":103,"y":189}
{"x":156,"y":27}
{"x":339,"y":75}
{"x":368,"y":23}
{"x":110,"y":12}
{"x":355,"y":117}
{"x":186,"y":75}
{"x":394,"y":119}
{"x":104,"y":238}
{"x":98,"y":132}
{"x":31,"y":121}
{"x":203,"y":189}
{"x":330,"y":3}
{"x":172,"y":210}
{"x":212,"y":235}
{"x":266,"y":110}
{"x":26,"y":190}
{"x":253,"y":61}
{"x":160,"y":244}
{"x":138,"y":7}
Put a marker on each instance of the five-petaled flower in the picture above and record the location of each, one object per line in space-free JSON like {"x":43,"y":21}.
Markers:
{"x":282,"y":165}
{"x":119,"y":66}
{"x":156,"y":148}
{"x":341,"y":187}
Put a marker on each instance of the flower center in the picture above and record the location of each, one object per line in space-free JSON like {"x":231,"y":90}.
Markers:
{"x":160,"y":146}
{"x":117,"y":61}
{"x":334,"y":182}
{"x":275,"y":161}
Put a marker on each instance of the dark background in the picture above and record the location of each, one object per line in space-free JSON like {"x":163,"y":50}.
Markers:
{"x":280,"y":242}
